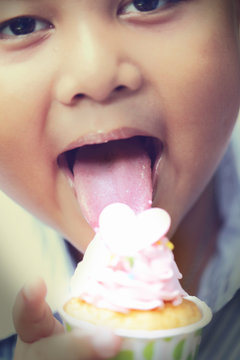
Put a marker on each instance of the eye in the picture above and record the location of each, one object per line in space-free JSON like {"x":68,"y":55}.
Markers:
{"x":23,"y":25}
{"x":147,"y":5}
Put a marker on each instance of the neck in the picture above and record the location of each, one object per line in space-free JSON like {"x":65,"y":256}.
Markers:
{"x":195,"y":239}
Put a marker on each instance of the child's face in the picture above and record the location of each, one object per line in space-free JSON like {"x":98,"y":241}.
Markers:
{"x":89,"y":70}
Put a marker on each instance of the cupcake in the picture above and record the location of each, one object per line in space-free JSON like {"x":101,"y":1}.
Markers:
{"x":129,"y":281}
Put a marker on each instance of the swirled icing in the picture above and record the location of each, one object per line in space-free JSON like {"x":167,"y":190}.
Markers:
{"x":129,"y":264}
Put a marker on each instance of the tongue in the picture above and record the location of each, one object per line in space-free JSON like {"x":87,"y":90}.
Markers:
{"x":118,"y":171}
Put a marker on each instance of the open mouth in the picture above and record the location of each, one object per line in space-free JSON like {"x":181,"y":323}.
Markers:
{"x":151,"y":145}
{"x":114,"y":171}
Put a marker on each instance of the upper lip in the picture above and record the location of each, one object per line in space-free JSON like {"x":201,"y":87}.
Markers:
{"x":100,"y":136}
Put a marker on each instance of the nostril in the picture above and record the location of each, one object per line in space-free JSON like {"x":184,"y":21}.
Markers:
{"x":120,"y":88}
{"x":79,"y":96}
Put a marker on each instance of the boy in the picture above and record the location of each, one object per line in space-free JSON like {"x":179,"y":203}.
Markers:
{"x":95,"y":82}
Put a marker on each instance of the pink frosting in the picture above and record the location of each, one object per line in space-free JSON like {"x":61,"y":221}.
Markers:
{"x":120,"y":279}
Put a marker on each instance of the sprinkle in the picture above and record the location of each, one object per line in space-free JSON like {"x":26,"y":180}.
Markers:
{"x":170,"y":245}
{"x":130,"y":259}
{"x":159,"y":242}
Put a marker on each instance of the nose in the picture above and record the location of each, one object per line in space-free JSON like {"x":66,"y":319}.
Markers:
{"x":95,"y":66}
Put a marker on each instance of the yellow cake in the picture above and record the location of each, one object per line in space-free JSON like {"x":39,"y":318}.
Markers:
{"x":168,"y":317}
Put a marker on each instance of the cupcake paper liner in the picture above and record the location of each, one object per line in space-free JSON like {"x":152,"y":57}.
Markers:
{"x":174,"y":344}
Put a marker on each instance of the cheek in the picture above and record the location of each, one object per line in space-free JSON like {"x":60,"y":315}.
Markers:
{"x":196,"y":76}
{"x":202,"y":103}
{"x":28,"y":168}
{"x":23,"y":105}
{"x":193,"y":65}
{"x":196,"y":81}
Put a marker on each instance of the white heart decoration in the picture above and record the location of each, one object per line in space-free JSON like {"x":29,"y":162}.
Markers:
{"x":125,"y":233}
